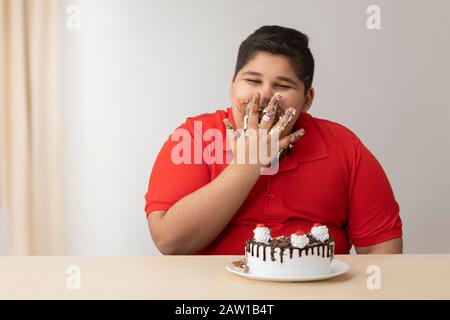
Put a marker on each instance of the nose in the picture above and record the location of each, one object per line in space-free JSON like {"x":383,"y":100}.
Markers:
{"x":266,"y":93}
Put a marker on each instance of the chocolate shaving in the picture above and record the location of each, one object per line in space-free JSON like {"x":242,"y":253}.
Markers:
{"x":242,"y":264}
{"x":325,"y":248}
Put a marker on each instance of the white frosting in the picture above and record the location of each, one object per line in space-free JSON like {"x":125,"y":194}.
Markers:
{"x":262,"y":234}
{"x":320,"y":233}
{"x":299,"y":241}
{"x":313,"y":264}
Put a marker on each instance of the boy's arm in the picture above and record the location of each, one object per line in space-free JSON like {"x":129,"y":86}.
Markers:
{"x":394,"y":246}
{"x":197,"y":219}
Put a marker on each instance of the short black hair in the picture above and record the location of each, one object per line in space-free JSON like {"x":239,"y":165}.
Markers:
{"x":279,"y":40}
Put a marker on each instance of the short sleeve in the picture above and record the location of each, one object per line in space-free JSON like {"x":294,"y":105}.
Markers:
{"x":374,"y":214}
{"x":172,"y":178}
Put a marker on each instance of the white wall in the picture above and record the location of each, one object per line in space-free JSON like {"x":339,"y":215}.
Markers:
{"x":137,"y":69}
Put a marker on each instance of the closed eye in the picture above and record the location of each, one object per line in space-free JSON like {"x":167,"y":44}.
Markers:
{"x":255,"y":81}
{"x":258,"y":81}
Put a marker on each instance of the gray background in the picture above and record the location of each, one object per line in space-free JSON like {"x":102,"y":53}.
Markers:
{"x":136,"y":69}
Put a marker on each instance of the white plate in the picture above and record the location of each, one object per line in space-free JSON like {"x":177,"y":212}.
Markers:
{"x":337,"y":268}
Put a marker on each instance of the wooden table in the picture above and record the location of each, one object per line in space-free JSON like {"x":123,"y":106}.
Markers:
{"x":205,"y":277}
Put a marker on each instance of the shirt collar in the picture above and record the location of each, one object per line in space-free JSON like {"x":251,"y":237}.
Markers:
{"x":312,"y":145}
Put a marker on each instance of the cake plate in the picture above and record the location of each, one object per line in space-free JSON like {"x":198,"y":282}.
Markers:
{"x":337,"y":268}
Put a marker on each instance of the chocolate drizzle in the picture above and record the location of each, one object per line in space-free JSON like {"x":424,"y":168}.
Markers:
{"x":283,"y":243}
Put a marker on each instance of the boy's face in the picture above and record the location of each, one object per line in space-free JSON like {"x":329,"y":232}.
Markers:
{"x":267,"y":74}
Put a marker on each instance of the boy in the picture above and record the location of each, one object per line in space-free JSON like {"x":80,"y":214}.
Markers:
{"x":324,"y":174}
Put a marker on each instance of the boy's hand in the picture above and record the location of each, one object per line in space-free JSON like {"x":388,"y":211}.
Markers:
{"x":261,"y":128}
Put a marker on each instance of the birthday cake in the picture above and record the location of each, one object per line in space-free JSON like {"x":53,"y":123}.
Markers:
{"x":298,"y":255}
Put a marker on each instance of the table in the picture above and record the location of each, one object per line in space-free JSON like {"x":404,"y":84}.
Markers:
{"x":408,"y":276}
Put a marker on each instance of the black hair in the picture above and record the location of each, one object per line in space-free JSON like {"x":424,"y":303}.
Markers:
{"x":279,"y":40}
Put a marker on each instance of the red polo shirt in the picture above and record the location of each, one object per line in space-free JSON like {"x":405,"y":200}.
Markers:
{"x":330,"y":177}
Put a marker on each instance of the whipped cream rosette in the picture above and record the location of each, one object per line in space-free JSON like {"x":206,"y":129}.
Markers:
{"x":262,"y":234}
{"x":320,"y":232}
{"x":299,"y":239}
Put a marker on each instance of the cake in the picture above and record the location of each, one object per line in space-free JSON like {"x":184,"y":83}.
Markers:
{"x":298,"y":255}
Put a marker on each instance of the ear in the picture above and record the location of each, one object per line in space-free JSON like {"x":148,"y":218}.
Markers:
{"x":309,"y":99}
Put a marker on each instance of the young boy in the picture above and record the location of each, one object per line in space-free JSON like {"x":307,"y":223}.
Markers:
{"x":320,"y":171}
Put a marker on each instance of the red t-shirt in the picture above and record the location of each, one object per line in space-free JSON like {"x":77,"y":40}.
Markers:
{"x":330,"y":177}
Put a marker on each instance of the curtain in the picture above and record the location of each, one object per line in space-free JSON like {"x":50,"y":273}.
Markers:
{"x":30,"y":127}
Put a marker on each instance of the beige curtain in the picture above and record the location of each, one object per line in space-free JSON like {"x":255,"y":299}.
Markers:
{"x":30,"y":127}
